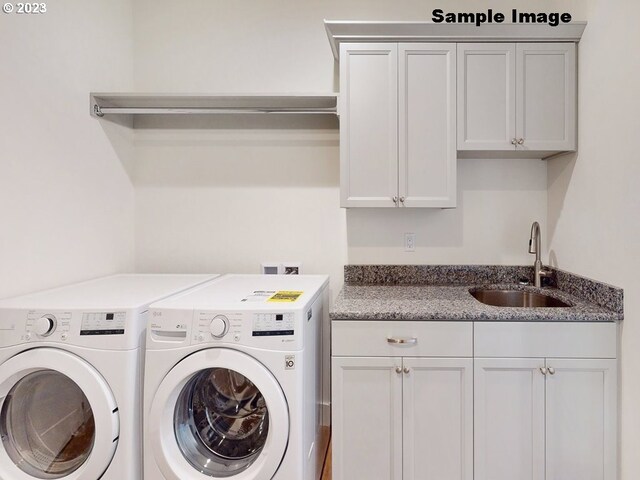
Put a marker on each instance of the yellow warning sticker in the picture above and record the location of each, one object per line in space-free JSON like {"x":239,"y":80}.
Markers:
{"x":285,"y":296}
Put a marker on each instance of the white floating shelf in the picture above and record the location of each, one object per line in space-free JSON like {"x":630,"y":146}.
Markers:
{"x":340,"y":31}
{"x":198,"y":104}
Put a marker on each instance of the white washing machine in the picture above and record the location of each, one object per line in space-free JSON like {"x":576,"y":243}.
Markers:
{"x":232,"y":380}
{"x":71,"y":375}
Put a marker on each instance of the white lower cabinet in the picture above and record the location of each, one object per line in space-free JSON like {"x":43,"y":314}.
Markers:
{"x":437,"y":427}
{"x":581,"y":419}
{"x":367,"y":418}
{"x":537,"y":402}
{"x":509,"y":419}
{"x":402,"y":418}
{"x":402,"y":400}
{"x":546,"y":417}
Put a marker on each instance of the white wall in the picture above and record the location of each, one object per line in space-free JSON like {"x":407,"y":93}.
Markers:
{"x":196,"y":189}
{"x":594,"y":200}
{"x":66,"y":202}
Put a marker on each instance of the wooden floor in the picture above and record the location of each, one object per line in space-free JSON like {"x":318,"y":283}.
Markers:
{"x":325,"y":453}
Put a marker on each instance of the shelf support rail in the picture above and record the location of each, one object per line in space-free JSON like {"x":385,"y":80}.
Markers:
{"x":102,"y":111}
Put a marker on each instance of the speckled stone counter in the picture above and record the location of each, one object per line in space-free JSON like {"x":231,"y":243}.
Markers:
{"x":424,"y":292}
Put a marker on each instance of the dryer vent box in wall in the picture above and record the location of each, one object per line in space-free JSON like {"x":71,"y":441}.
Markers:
{"x":285,"y":268}
{"x":269,"y":268}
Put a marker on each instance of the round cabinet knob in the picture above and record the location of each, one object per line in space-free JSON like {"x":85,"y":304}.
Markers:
{"x":45,"y":326}
{"x":219,"y":326}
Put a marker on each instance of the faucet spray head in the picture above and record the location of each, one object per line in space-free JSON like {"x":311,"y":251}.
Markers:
{"x":535,"y":234}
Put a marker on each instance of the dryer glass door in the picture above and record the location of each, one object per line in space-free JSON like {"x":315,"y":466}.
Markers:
{"x":58,"y":417}
{"x":47,"y":425}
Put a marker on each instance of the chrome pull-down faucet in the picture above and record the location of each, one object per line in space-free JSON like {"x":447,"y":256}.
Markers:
{"x":539,"y":270}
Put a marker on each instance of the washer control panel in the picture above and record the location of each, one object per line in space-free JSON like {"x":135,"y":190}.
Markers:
{"x":261,"y":329}
{"x":273,"y":324}
{"x":214,"y":326}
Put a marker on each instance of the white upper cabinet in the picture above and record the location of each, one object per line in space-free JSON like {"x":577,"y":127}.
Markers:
{"x":368,"y":125}
{"x":486,"y":96}
{"x":427,"y":125}
{"x":546,"y":96}
{"x":397,"y":125}
{"x":517,"y":96}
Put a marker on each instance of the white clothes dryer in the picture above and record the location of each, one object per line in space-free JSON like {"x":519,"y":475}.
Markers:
{"x":71,"y":375}
{"x":232,"y":380}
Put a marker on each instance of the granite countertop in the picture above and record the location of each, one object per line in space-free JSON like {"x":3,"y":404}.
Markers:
{"x":396,"y":295}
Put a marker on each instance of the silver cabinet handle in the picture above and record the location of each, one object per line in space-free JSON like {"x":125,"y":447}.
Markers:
{"x":406,"y":370}
{"x":521,"y":141}
{"x":395,"y":200}
{"x":551,"y":370}
{"x":402,"y":341}
{"x":398,"y":369}
{"x":543,"y":370}
{"x":514,"y":141}
{"x":402,"y":200}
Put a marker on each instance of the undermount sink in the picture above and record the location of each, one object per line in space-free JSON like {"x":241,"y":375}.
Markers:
{"x":516,"y":298}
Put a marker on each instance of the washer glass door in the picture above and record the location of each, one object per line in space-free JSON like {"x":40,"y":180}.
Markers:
{"x":218,"y":413}
{"x":47,"y":425}
{"x":221,"y":422}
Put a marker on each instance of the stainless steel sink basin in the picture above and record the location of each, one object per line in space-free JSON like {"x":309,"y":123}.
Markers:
{"x":516,"y":298}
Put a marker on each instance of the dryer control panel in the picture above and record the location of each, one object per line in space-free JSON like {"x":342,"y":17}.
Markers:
{"x":41,"y":325}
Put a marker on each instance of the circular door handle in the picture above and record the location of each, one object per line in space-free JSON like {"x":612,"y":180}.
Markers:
{"x":514,"y":141}
{"x":521,"y":141}
{"x":551,"y":370}
{"x":543,"y":370}
{"x":406,"y":370}
{"x":398,"y":369}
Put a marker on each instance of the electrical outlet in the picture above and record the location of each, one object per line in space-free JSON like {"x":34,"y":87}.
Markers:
{"x":409,"y":242}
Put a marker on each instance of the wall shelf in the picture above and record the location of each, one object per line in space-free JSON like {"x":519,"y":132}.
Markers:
{"x":340,"y":31}
{"x":130,"y":104}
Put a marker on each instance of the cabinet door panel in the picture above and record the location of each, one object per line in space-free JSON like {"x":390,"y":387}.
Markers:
{"x":509,"y":419}
{"x":486,"y":96}
{"x":581,"y":420}
{"x":367,"y":418}
{"x":368,"y":125}
{"x":438,"y":419}
{"x":546,"y":96}
{"x":427,"y":124}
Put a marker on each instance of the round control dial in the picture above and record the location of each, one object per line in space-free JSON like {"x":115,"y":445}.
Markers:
{"x":219,"y":326}
{"x":45,"y":325}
